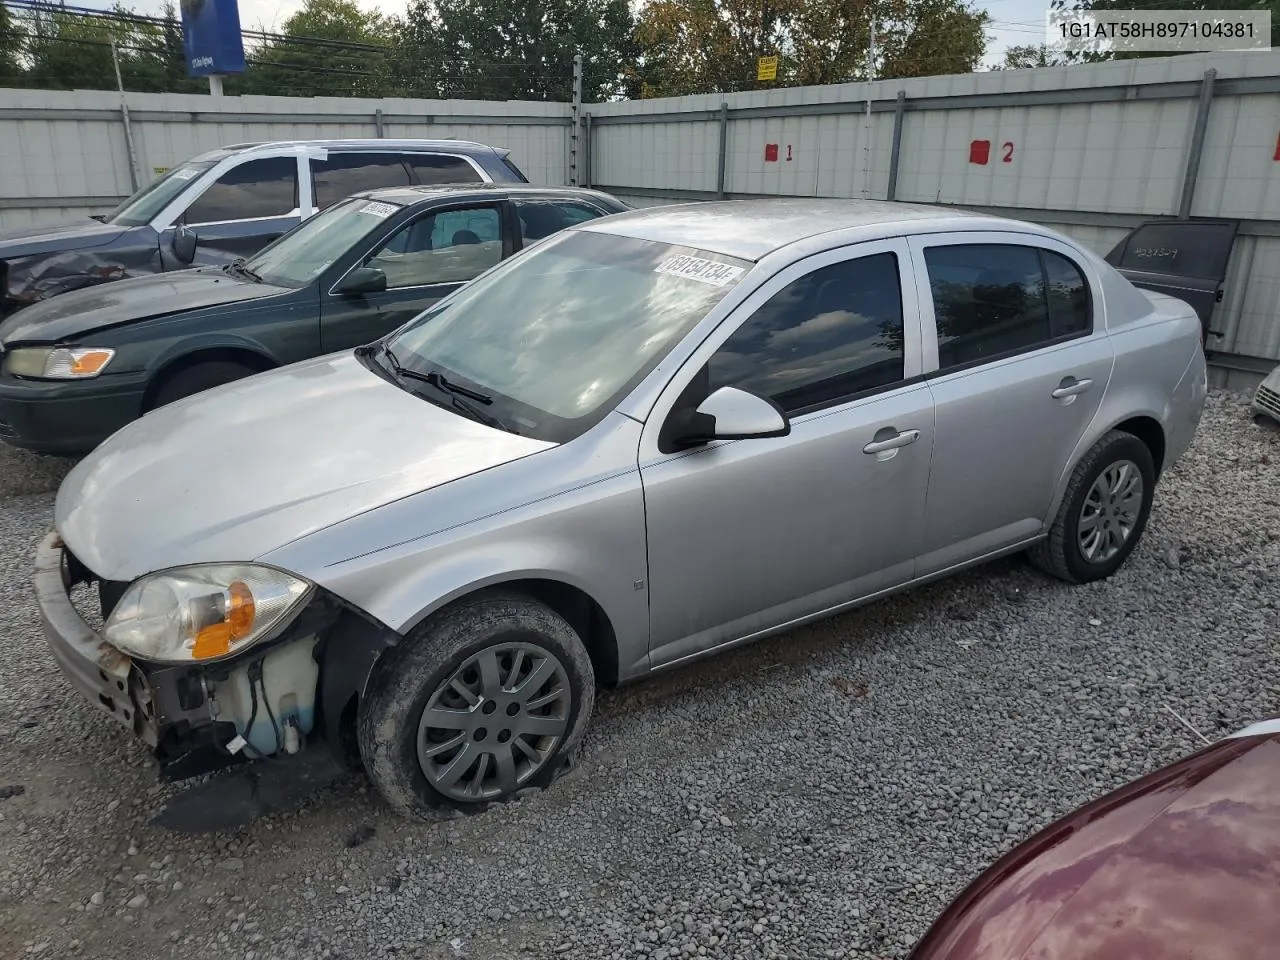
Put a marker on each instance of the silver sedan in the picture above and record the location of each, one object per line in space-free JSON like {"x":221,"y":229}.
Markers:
{"x":649,"y":438}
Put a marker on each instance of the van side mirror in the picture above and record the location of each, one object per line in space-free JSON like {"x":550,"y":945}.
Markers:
{"x":184,"y":243}
{"x":731,"y":414}
{"x":363,"y":280}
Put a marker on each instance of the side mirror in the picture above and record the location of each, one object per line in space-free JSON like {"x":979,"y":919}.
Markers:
{"x":363,"y":280}
{"x":732,"y":414}
{"x":184,"y":244}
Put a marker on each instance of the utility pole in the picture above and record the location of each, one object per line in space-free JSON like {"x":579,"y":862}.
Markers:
{"x":215,"y":85}
{"x":866,"y":126}
{"x":576,"y":130}
{"x":124,"y":115}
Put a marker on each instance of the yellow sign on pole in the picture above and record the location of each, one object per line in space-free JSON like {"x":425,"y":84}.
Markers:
{"x":767,"y":68}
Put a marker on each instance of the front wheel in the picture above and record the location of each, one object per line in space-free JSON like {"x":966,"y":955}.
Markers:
{"x":198,"y":378}
{"x":486,"y":700}
{"x":1103,"y":512}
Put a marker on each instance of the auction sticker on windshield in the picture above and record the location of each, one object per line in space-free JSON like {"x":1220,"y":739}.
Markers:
{"x":695,"y":268}
{"x":375,"y":209}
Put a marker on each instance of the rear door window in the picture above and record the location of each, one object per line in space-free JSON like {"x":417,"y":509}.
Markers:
{"x":255,"y":189}
{"x":994,"y":300}
{"x":542,"y":217}
{"x":342,"y":174}
{"x":437,"y":168}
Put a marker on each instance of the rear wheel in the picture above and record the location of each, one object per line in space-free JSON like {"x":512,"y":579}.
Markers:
{"x":198,"y":378}
{"x":485,"y":701}
{"x":1103,"y":512}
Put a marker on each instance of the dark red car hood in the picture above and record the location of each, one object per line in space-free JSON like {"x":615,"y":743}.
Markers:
{"x":1183,"y":864}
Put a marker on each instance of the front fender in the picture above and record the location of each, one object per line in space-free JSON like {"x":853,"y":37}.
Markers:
{"x":571,"y":515}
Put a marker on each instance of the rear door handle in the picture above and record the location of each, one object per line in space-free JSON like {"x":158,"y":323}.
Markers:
{"x":1071,"y":387}
{"x":895,"y":440}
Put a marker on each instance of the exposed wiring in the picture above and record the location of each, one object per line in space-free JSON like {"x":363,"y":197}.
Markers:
{"x":266,"y":702}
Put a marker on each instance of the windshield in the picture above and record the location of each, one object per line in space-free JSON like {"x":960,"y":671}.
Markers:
{"x":555,"y":337}
{"x":310,"y":248}
{"x":143,"y":206}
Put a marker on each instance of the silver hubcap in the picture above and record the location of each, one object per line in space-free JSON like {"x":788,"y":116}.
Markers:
{"x":1110,"y":511}
{"x":495,"y":722}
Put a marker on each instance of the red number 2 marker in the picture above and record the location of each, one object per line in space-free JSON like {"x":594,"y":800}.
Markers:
{"x":1008,"y":153}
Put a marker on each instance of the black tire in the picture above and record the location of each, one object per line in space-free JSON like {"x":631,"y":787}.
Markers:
{"x":407,"y":676}
{"x":1060,"y":553}
{"x":198,"y":378}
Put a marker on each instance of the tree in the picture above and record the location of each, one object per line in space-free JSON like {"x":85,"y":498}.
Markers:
{"x":515,"y":50}
{"x":712,"y":46}
{"x":10,"y":50}
{"x":1027,"y":57}
{"x":330,"y":48}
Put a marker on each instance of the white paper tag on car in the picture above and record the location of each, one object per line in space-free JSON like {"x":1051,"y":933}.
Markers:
{"x":375,"y":209}
{"x":185,"y":174}
{"x":696,"y":268}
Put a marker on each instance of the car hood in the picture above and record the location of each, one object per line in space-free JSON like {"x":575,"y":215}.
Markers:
{"x":1184,"y":863}
{"x":245,"y":468}
{"x":77,"y":312}
{"x":50,"y":238}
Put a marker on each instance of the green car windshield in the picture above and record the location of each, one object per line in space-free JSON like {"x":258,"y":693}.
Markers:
{"x":556,"y":336}
{"x":314,"y":245}
{"x":144,"y":205}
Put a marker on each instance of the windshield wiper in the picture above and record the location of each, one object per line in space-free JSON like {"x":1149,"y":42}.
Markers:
{"x":457,"y":392}
{"x":436,"y":379}
{"x":238,"y":266}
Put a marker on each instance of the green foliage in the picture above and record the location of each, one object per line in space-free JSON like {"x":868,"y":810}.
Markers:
{"x":352,"y":64}
{"x":1027,"y":57}
{"x":513,"y":49}
{"x":704,"y":46}
{"x":508,"y":49}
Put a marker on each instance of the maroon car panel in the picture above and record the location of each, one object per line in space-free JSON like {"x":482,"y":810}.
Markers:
{"x":1183,"y":864}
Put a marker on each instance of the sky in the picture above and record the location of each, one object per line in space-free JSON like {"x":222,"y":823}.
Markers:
{"x":1016,"y":22}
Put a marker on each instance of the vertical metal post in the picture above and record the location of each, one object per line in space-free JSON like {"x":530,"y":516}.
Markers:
{"x":124,"y":116}
{"x":586,"y":150}
{"x":724,"y":149}
{"x":898,"y":112}
{"x":866,"y":126}
{"x":215,"y":85}
{"x":574,"y":131}
{"x":1197,"y":145}
{"x":377,"y":123}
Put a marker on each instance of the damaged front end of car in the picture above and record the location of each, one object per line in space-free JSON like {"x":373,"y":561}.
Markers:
{"x":214,"y":666}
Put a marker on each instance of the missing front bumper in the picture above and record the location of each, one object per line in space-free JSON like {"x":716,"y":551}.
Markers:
{"x":107,"y":678}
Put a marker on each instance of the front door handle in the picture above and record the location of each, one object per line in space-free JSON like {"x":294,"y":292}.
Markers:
{"x":1071,"y":387}
{"x":892,"y":440}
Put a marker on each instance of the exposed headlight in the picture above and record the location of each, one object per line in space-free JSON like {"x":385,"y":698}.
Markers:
{"x":57,"y":363}
{"x":202,"y":613}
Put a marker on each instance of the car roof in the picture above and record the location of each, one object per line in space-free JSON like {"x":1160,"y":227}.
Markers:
{"x":452,"y":146}
{"x":410,"y":195}
{"x":751,"y":229}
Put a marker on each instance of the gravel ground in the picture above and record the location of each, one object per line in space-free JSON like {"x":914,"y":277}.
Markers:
{"x":822,"y":794}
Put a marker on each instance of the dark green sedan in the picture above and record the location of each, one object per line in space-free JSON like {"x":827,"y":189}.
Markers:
{"x":78,"y":366}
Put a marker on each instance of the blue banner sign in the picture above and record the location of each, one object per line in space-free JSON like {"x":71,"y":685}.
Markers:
{"x":211,"y":37}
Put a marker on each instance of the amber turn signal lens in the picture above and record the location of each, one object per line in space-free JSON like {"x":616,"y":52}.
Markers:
{"x":87,"y":362}
{"x":240,"y":610}
{"x":215,"y":639}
